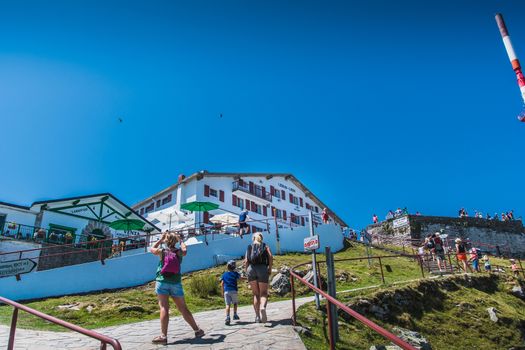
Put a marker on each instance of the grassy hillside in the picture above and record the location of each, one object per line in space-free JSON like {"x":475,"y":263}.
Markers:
{"x":451,"y":313}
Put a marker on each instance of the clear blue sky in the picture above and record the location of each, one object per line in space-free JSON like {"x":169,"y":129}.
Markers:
{"x":372,"y":104}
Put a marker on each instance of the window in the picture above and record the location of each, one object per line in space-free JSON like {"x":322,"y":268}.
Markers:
{"x":150,"y":207}
{"x":295,"y":219}
{"x":213,"y":192}
{"x":166,"y":199}
{"x":142,"y":211}
{"x":258,"y":208}
{"x":295,"y":200}
{"x":158,"y":203}
{"x":279,"y":213}
{"x":237,"y":202}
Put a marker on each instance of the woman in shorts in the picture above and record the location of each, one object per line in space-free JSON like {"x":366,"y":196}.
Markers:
{"x":169,"y":285}
{"x":461,"y":254}
{"x":258,"y":262}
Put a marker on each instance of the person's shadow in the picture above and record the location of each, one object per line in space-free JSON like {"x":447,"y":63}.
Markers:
{"x":207,"y":339}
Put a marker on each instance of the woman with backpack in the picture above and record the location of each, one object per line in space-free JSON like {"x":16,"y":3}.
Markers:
{"x":461,"y":254}
{"x":168,"y":284}
{"x":258,"y":262}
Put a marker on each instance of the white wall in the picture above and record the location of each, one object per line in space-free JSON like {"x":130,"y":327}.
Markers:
{"x":131,"y":270}
{"x":20,"y":216}
{"x":15,"y":246}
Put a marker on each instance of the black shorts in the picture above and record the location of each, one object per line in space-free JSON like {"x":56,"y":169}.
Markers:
{"x":243,"y":225}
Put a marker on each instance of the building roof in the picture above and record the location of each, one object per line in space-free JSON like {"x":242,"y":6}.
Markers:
{"x":204,"y":173}
{"x":14,"y":205}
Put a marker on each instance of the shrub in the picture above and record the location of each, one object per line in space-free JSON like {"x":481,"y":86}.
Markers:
{"x":203,"y":286}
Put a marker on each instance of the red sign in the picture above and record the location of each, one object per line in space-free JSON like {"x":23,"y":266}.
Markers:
{"x":311,"y":243}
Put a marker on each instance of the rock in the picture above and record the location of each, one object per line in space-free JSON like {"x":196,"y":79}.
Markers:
{"x":518,"y":291}
{"x":343,"y":277}
{"x":303,"y":330}
{"x":284,"y":270}
{"x":281,"y":284}
{"x":492,"y":314}
{"x":379,"y":311}
{"x":75,"y":306}
{"x":89,"y":308}
{"x":413,"y":338}
{"x":130,"y":308}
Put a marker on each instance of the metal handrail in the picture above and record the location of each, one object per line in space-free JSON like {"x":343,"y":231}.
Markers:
{"x":104,"y":340}
{"x":370,"y":324}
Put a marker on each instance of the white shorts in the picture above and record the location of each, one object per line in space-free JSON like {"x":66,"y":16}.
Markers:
{"x":230,"y":297}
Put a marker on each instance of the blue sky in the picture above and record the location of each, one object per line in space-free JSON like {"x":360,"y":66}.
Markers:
{"x":372,"y":104}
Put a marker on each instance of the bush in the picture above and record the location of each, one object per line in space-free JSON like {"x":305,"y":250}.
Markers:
{"x":203,"y":286}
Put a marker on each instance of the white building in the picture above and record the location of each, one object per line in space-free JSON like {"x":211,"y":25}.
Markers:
{"x":264,"y":195}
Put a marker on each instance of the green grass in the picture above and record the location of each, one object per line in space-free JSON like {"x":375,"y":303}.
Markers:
{"x":450,"y":312}
{"x":140,"y":303}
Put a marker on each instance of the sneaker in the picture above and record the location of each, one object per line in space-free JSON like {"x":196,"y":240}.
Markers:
{"x":263,"y":316}
{"x":236,"y":317}
{"x":227,"y":321}
{"x":199,"y":333}
{"x":257,"y":319}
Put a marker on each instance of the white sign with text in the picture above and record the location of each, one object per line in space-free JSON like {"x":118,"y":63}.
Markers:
{"x":311,"y":243}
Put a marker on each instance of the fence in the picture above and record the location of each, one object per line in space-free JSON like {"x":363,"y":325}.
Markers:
{"x":104,"y":340}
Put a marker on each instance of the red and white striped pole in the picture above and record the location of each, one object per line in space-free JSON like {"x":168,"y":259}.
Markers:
{"x":513,"y":58}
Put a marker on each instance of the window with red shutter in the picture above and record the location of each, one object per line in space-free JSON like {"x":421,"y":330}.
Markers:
{"x":302,"y":220}
{"x":254,"y":207}
{"x":265,"y":211}
{"x":251,"y":187}
{"x":206,"y":217}
{"x":283,"y":195}
{"x":273,"y":211}
{"x":263,"y":191}
{"x":221,"y":195}
{"x":206,"y":191}
{"x":247,"y":202}
{"x":234,"y":200}
{"x":284,"y":214}
{"x":300,"y":201}
{"x":272,"y":190}
{"x":291,"y":198}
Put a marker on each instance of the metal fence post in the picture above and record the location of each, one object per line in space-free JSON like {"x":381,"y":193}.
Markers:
{"x":12,"y":331}
{"x":294,"y":317}
{"x":331,"y":289}
{"x":381,"y":267}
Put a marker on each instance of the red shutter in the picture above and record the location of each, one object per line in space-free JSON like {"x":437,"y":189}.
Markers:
{"x":283,"y":197}
{"x":247,"y":204}
{"x":265,"y":211}
{"x":284,"y":214}
{"x":263,"y":191}
{"x":301,"y":202}
{"x":272,"y":190}
{"x":291,"y":198}
{"x":234,"y":200}
{"x":251,"y":187}
{"x":221,"y":195}
{"x":206,"y":191}
{"x":206,"y":217}
{"x":273,"y":211}
{"x":254,"y":206}
{"x":302,"y":220}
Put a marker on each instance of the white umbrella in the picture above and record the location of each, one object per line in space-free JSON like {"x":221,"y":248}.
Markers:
{"x":168,"y":216}
{"x":225,"y":218}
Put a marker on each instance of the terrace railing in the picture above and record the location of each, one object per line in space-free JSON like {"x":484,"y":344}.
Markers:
{"x":104,"y":340}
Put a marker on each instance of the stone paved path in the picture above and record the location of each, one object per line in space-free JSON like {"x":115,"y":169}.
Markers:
{"x":244,"y":334}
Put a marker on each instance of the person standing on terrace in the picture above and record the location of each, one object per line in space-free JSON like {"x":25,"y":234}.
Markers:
{"x":168,"y":284}
{"x":243,"y":226}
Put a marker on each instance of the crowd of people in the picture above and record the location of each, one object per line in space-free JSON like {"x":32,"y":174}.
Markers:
{"x":469,"y":258}
{"x":504,"y":216}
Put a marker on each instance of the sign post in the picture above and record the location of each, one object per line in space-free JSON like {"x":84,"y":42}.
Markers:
{"x":311,"y":243}
{"x":16,"y":267}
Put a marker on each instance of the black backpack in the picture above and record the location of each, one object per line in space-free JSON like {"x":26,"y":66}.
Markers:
{"x":257,"y":254}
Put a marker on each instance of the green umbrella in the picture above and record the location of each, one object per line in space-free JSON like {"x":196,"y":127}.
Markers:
{"x":127,"y":225}
{"x":199,"y":206}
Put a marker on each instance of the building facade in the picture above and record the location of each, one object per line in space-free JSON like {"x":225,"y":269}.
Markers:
{"x":265,"y":196}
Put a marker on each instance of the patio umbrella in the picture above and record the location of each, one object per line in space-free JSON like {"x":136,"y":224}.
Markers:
{"x":127,"y":225}
{"x":199,"y":206}
{"x":225,"y":218}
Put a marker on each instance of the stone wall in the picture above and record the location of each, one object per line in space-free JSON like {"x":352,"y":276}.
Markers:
{"x":508,"y":237}
{"x":58,"y":256}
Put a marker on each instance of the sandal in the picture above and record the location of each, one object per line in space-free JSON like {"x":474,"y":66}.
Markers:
{"x":160,"y":340}
{"x":199,"y":333}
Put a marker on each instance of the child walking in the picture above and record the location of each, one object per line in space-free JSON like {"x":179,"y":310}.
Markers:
{"x":514,"y":267}
{"x":229,"y":290}
{"x":487,"y":263}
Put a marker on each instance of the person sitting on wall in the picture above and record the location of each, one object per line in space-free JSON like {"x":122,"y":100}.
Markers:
{"x":243,"y":226}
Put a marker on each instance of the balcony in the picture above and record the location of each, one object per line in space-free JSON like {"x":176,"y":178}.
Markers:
{"x":254,"y":190}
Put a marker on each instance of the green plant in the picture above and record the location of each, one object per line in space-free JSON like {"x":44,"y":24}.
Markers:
{"x":203,"y":286}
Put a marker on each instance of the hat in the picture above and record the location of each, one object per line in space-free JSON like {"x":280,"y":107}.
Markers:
{"x":457,"y":240}
{"x":231,"y":264}
{"x":437,"y":233}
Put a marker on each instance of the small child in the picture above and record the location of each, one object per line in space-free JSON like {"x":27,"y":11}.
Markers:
{"x":487,"y":263}
{"x":514,"y":267}
{"x":229,"y":290}
{"x":474,"y":259}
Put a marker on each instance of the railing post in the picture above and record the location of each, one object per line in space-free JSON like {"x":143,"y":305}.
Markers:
{"x":294,"y":320}
{"x":12,"y":331}
{"x":331,"y":289}
{"x":450,"y":263}
{"x":421,"y":266}
{"x":102,"y":346}
{"x":330,"y":333}
{"x":381,"y":267}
